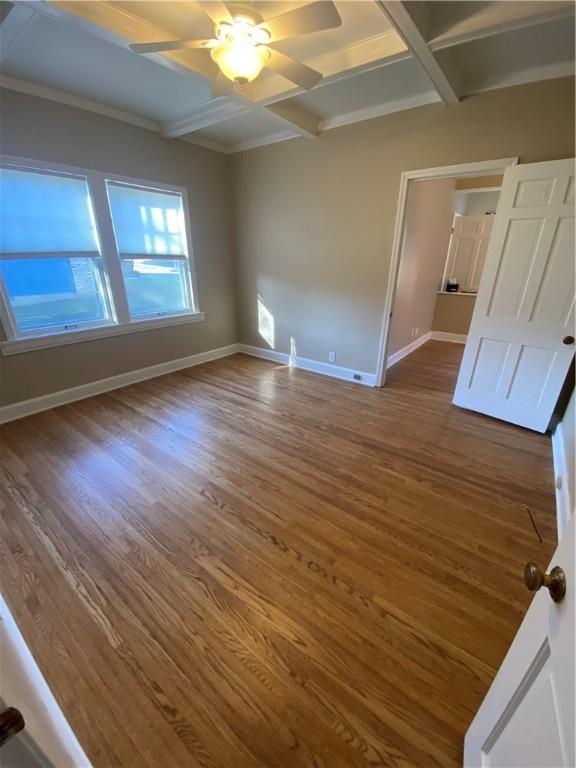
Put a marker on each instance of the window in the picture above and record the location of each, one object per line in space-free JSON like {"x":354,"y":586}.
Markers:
{"x":90,"y":254}
{"x":50,"y":263}
{"x":151,"y":242}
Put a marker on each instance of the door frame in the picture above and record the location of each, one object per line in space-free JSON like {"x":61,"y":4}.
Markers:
{"x":482,"y":168}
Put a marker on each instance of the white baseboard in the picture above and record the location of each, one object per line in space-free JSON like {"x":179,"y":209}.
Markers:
{"x":408,"y":349}
{"x":561,"y":473}
{"x":326,"y":369}
{"x":37,"y":404}
{"x":457,"y":338}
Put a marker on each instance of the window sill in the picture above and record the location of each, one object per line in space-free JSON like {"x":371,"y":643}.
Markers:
{"x":16,"y":346}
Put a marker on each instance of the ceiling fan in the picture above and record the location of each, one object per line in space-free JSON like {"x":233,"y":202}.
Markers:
{"x":244,"y":44}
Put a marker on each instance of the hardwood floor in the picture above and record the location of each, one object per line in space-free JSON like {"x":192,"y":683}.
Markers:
{"x":242,"y":565}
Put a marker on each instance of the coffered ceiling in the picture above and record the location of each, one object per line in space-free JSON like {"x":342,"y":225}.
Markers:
{"x":385,"y":57}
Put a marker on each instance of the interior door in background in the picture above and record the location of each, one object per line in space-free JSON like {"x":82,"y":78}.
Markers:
{"x":527,"y":719}
{"x":467,"y":252}
{"x":521,"y":339}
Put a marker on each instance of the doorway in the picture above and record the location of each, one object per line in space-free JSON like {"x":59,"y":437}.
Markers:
{"x":425,"y":252}
{"x":446,"y":233}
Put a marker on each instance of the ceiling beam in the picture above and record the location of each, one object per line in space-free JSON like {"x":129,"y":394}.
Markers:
{"x":295,"y":117}
{"x":405,"y":26}
{"x":14,"y":18}
{"x":218,"y":110}
{"x":336,"y":65}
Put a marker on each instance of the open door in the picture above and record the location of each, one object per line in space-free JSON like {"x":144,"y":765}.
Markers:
{"x":521,"y":339}
{"x":528,"y":718}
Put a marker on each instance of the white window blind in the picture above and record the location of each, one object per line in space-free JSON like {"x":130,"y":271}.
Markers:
{"x":45,"y":212}
{"x":147,"y":222}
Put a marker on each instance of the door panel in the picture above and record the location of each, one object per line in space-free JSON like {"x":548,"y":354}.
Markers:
{"x":515,"y":360}
{"x":468,"y":247}
{"x":527,"y":719}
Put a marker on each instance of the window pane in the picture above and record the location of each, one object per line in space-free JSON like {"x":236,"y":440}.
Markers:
{"x":45,"y":212}
{"x":156,"y":286}
{"x":146,"y":221}
{"x":45,"y":293}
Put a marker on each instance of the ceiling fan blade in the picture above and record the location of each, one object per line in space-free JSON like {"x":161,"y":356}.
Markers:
{"x":167,"y":45}
{"x":222,"y":86}
{"x":216,"y":10}
{"x":295,"y":71}
{"x":315,"y":17}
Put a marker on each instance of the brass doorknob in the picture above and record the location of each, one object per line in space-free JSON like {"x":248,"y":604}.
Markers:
{"x":555,"y":581}
{"x":568,"y":340}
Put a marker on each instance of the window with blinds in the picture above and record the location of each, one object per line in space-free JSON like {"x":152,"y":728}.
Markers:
{"x":50,"y":262}
{"x":79,"y":251}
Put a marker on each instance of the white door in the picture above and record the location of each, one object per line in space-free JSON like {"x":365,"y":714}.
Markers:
{"x":520,"y":344}
{"x":467,"y":252}
{"x":527,"y":719}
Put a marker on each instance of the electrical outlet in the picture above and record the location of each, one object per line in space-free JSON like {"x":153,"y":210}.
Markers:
{"x":356,"y":377}
{"x":416,"y":331}
{"x":331,"y":357}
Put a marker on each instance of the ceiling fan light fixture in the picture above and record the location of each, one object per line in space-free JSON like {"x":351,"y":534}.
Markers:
{"x":239,"y":62}
{"x":240,"y":54}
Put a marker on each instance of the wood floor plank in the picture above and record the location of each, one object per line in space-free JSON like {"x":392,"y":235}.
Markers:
{"x":243,"y":565}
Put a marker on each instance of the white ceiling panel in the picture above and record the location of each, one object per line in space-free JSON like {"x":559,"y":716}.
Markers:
{"x":59,"y":55}
{"x":392,"y":83}
{"x":361,"y":20}
{"x":491,"y":61}
{"x":480,"y":45}
{"x":250,"y":127}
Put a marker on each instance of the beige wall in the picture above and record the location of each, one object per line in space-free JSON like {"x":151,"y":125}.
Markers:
{"x":453,"y":312}
{"x":477,"y":182}
{"x":316,"y":217}
{"x":429,"y":216}
{"x":40,"y":129}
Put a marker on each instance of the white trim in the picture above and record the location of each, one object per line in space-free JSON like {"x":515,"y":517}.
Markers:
{"x":71,"y":100}
{"x":532,"y":75}
{"x":45,"y":402}
{"x":561,"y":473}
{"x":24,"y":687}
{"x":325,"y":369}
{"x":272,"y":138}
{"x":378,"y":110}
{"x":203,"y":116}
{"x":456,"y":338}
{"x":408,"y":349}
{"x":202,"y":141}
{"x":401,"y":20}
{"x":464,"y":32}
{"x":17,"y":346}
{"x":481,"y":168}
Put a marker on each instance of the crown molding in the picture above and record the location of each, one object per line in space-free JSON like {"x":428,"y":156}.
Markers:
{"x":272,"y":138}
{"x":532,"y":75}
{"x":72,"y":100}
{"x":204,"y":115}
{"x":497,"y":18}
{"x":379,"y":110}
